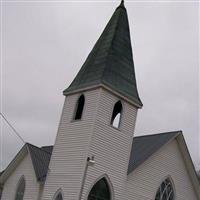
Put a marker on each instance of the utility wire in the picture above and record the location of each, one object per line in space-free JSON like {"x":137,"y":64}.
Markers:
{"x":15,"y":131}
{"x":18,"y":135}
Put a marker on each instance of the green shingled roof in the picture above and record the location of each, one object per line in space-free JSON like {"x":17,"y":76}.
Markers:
{"x":111,"y":61}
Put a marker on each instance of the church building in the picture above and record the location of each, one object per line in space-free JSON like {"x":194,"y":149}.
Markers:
{"x":95,"y":155}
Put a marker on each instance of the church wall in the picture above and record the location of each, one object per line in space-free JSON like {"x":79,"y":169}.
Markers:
{"x":144,"y":181}
{"x":71,"y":147}
{"x":110,"y":146}
{"x":32,"y":186}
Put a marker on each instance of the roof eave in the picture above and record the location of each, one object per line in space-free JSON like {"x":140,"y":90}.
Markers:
{"x":188,"y":163}
{"x":104,"y":86}
{"x":13,"y":164}
{"x":172,"y":138}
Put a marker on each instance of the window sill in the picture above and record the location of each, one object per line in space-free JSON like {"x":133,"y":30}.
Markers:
{"x":76,"y":120}
{"x":115,"y":128}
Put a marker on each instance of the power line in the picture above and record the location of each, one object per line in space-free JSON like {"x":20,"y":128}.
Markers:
{"x":18,"y":135}
{"x":15,"y":131}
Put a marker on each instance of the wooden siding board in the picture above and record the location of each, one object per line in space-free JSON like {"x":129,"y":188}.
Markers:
{"x":32,"y":186}
{"x":145,"y":180}
{"x":111,"y":147}
{"x":71,"y":147}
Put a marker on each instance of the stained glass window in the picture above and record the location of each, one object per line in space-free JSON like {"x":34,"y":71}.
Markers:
{"x":165,"y":191}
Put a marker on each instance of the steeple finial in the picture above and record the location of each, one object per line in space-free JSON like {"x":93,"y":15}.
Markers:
{"x":121,"y":4}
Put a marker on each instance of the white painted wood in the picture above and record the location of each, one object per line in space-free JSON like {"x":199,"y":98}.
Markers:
{"x":93,"y":135}
{"x":144,"y":181}
{"x":110,"y":146}
{"x":71,"y":147}
{"x":25,"y":168}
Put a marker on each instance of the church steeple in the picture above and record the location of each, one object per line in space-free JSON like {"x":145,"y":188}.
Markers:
{"x":110,"y":63}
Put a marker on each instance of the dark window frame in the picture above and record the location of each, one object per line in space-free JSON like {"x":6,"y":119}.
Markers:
{"x":117,"y":110}
{"x":80,"y":104}
{"x":96,"y":194}
{"x":59,"y":196}
{"x":166,"y":190}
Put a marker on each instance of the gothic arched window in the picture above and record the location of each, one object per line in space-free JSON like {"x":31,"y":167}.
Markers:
{"x":20,"y":189}
{"x":100,"y":191}
{"x":116,"y":115}
{"x":79,"y":107}
{"x":165,"y":191}
{"x":59,"y":196}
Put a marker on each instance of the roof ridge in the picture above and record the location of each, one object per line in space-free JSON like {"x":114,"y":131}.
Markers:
{"x":110,"y":46}
{"x":40,"y":148}
{"x":47,"y":146}
{"x":156,"y":134}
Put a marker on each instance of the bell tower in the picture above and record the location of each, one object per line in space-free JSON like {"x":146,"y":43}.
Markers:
{"x":98,"y":118}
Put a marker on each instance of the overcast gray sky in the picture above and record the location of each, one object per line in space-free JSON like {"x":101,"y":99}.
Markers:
{"x":44,"y":44}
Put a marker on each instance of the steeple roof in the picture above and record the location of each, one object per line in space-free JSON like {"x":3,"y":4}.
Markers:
{"x":110,"y":63}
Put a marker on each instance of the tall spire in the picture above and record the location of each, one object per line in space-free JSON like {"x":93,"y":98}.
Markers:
{"x":110,"y":63}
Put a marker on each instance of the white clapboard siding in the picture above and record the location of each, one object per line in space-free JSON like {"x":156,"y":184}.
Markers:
{"x":25,"y":168}
{"x":71,"y":147}
{"x":110,"y":146}
{"x":93,"y":135}
{"x":144,"y":181}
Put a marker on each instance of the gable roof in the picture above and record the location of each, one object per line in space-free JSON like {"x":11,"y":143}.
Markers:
{"x":40,"y":158}
{"x":48,"y":149}
{"x":110,"y":63}
{"x":144,"y":146}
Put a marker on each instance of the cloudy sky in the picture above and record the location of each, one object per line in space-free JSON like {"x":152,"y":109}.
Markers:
{"x":44,"y":44}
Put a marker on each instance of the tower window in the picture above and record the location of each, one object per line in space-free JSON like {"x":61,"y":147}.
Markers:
{"x":116,"y":115}
{"x":79,"y":107}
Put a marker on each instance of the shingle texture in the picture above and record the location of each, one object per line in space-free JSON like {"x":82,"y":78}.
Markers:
{"x":144,"y":146}
{"x":111,"y":61}
{"x":40,"y":158}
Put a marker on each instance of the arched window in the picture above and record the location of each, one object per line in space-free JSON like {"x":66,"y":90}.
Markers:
{"x":116,"y":115}
{"x":165,"y":191}
{"x":20,"y":189}
{"x":100,"y":191}
{"x":79,"y":107}
{"x":59,"y":196}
